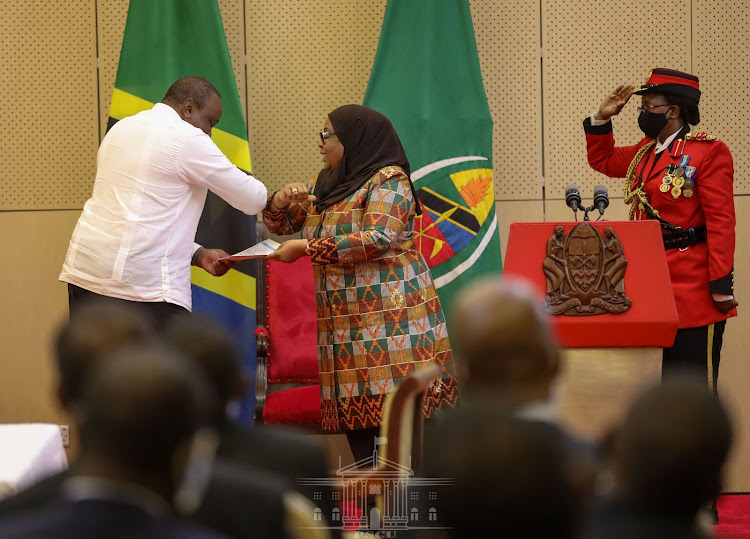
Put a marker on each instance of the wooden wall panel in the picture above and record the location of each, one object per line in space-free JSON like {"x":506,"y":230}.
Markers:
{"x":33,"y":304}
{"x":304,"y":59}
{"x":734,"y":371}
{"x":48,"y":108}
{"x":590,"y":48}
{"x":509,"y":45}
{"x":720,"y":60}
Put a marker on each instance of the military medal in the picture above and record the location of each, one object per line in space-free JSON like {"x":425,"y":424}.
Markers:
{"x":679,"y":171}
{"x":688,"y":184}
{"x":678,"y":182}
{"x":688,"y":192}
{"x":676,"y":191}
{"x":666,"y":183}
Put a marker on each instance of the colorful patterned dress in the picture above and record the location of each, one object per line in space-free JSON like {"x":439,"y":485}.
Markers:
{"x":379,"y":316}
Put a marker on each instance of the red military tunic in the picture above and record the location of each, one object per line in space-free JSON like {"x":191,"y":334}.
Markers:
{"x":707,"y":267}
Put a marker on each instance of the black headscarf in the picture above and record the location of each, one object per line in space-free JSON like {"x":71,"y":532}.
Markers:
{"x":370,"y":143}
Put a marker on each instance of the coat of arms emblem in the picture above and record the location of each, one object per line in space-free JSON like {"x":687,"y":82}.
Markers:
{"x":585,"y":272}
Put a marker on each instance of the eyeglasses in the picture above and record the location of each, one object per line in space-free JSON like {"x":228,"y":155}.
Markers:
{"x":647,"y":108}
{"x":325,"y":134}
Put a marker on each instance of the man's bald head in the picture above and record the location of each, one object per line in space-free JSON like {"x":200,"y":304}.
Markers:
{"x":501,"y":335}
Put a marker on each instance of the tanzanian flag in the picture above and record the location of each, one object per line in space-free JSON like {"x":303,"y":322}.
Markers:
{"x":164,"y":41}
{"x":426,"y":79}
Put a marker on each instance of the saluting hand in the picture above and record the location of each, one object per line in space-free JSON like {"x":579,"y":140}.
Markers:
{"x":613,"y":103}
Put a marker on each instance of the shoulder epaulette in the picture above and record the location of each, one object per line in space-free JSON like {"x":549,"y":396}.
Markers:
{"x":700,"y":137}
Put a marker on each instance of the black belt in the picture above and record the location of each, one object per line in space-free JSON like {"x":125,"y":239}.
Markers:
{"x":683,"y":238}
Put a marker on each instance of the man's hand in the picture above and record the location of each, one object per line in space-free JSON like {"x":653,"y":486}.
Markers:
{"x":208,"y":259}
{"x":725,"y":306}
{"x":289,"y":251}
{"x":294,"y":192}
{"x":613,"y":103}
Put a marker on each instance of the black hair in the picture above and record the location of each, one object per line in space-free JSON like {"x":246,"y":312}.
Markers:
{"x":197,"y":88}
{"x":688,"y":108}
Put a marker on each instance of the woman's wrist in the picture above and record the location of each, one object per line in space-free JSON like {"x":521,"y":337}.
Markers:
{"x":273,"y":206}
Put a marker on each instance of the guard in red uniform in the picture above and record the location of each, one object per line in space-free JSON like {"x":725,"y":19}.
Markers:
{"x":684,"y":180}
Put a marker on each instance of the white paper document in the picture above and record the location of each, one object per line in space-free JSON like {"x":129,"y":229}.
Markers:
{"x":259,"y":250}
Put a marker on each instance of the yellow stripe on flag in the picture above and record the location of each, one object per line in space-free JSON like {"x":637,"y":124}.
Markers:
{"x":235,"y":148}
{"x":125,"y":104}
{"x":235,"y":285}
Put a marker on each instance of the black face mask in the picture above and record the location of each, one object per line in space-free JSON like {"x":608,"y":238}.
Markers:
{"x":651,"y":123}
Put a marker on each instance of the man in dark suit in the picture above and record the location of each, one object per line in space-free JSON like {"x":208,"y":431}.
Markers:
{"x":510,"y":361}
{"x":510,"y":477}
{"x":238,"y":502}
{"x":143,"y":407}
{"x":667,"y":460}
{"x":273,"y":449}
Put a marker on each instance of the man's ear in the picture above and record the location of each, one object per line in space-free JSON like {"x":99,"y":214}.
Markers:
{"x":674,"y":112}
{"x":189,"y":106}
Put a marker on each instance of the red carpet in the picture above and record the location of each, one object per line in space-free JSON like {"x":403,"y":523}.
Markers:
{"x":734,"y":517}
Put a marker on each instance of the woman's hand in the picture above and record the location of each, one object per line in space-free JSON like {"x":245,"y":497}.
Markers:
{"x":289,"y":251}
{"x":294,"y":192}
{"x":613,"y":103}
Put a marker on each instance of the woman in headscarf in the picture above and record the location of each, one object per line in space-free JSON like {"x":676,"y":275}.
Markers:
{"x":379,"y":316}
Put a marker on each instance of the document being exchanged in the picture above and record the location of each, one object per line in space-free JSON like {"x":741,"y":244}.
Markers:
{"x":259,"y":250}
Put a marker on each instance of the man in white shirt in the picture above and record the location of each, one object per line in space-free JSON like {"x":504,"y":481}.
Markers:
{"x":135,"y":238}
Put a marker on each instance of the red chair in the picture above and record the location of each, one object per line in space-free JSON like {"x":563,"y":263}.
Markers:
{"x":287,"y":389}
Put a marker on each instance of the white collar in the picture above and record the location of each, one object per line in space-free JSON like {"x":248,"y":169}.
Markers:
{"x":661,"y":146}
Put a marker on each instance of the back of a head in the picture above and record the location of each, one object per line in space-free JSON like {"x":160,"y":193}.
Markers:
{"x":196,"y":88}
{"x":211,"y":349}
{"x":143,"y":404}
{"x":501,"y":335}
{"x":509,"y":477}
{"x":672,"y":447}
{"x":97,"y":329}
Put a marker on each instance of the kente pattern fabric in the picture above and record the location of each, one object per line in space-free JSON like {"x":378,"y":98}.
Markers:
{"x":379,"y":315}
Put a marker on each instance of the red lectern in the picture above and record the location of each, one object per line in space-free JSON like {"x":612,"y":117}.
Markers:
{"x":608,"y":357}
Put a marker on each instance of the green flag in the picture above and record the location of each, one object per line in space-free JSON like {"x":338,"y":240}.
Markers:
{"x":165,"y":40}
{"x":426,"y":79}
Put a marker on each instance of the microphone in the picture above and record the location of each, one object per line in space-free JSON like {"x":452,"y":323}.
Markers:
{"x":601,"y":198}
{"x":573,"y":197}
